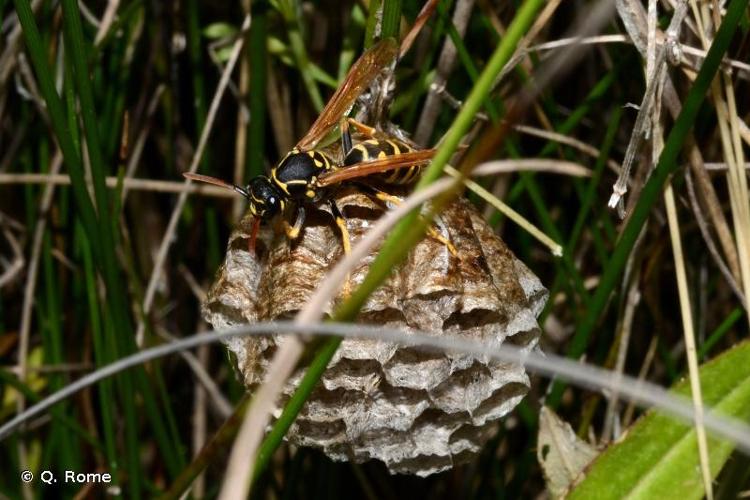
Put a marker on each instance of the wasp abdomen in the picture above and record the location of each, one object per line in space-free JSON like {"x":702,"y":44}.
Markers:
{"x":373,"y":149}
{"x":296,"y":173}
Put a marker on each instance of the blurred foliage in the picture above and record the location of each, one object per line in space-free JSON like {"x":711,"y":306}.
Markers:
{"x":133,"y":100}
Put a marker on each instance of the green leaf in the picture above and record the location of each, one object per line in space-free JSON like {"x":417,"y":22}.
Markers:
{"x":216,"y":31}
{"x":223,"y":54}
{"x":659,"y":456}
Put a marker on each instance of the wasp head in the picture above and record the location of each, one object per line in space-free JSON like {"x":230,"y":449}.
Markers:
{"x":265,"y":200}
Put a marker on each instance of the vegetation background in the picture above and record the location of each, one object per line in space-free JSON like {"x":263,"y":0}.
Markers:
{"x":103,"y":105}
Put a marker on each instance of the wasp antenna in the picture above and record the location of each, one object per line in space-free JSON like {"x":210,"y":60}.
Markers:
{"x":215,"y":181}
{"x":241,"y":190}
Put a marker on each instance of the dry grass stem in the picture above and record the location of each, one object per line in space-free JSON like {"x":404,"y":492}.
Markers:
{"x":134,"y":157}
{"x":554,"y":247}
{"x":446,"y":63}
{"x":625,"y":327}
{"x":157,"y":186}
{"x":168,"y":238}
{"x":690,"y":350}
{"x":644,"y":112}
{"x":581,"y":146}
{"x":284,"y":361}
{"x":583,"y":375}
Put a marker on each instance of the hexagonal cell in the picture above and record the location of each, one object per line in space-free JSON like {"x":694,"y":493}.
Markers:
{"x":419,"y":412}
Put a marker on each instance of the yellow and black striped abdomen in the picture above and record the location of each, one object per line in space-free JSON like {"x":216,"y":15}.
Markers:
{"x":372,"y":149}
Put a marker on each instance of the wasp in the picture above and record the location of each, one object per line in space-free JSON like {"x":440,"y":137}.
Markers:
{"x":306,"y":173}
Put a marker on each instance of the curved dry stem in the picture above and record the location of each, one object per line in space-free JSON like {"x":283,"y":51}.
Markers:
{"x":242,"y":458}
{"x":583,"y":375}
{"x":129,"y":183}
{"x":168,"y":238}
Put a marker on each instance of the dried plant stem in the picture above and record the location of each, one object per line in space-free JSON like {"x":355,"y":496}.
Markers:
{"x":168,"y":238}
{"x":140,"y":142}
{"x":107,"y":19}
{"x":111,"y":182}
{"x":623,"y":340}
{"x":644,"y":112}
{"x":634,"y":18}
{"x":722,"y":93}
{"x":33,"y":270}
{"x":581,"y":146}
{"x":584,"y":375}
{"x":243,"y":456}
{"x":446,"y":62}
{"x":555,"y":248}
{"x":739,"y":195}
{"x":706,"y":233}
{"x":236,"y":484}
{"x":689,"y":335}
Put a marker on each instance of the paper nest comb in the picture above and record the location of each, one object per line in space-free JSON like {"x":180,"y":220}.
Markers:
{"x":417,"y":412}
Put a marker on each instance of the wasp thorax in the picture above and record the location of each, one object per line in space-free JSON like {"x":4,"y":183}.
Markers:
{"x":265,"y":200}
{"x":296,"y":173}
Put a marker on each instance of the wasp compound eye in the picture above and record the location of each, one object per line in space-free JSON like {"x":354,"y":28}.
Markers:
{"x":265,"y":200}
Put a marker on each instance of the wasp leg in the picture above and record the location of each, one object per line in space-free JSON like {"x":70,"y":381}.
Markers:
{"x":361,"y":127}
{"x":292,"y":232}
{"x":346,"y":137}
{"x":338,"y":217}
{"x":395,"y":200}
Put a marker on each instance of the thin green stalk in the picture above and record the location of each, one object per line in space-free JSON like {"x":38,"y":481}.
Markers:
{"x":405,"y":235}
{"x":256,"y":52}
{"x":721,"y":330}
{"x":411,"y":229}
{"x":391,"y":21}
{"x":105,"y":389}
{"x":273,"y":439}
{"x":372,"y":22}
{"x":37,"y":53}
{"x":465,"y":57}
{"x":53,"y":349}
{"x":210,"y":451}
{"x":117,"y":305}
{"x":652,"y":190}
{"x":289,"y":11}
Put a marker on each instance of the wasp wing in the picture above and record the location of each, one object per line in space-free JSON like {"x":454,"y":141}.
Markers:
{"x":359,"y":78}
{"x":376,"y":166}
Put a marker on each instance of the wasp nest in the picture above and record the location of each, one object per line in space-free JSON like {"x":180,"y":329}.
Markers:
{"x":417,"y":412}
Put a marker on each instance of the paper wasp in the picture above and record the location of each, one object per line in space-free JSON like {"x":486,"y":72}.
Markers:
{"x":306,"y":173}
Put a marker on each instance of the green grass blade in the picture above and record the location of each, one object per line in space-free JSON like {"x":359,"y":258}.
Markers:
{"x":391,"y":21}
{"x":37,"y":53}
{"x":652,"y":190}
{"x":410,"y":230}
{"x":257,"y":95}
{"x":721,"y":330}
